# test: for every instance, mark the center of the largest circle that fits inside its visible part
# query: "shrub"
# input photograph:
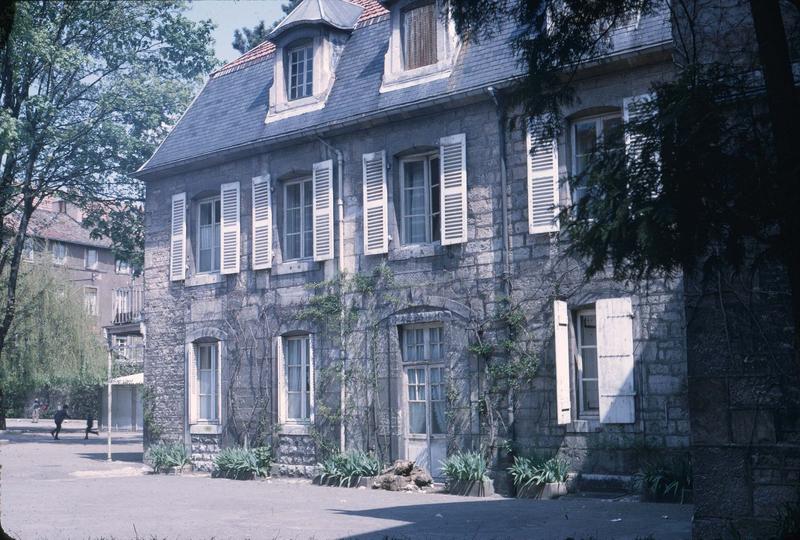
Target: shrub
(530, 471)
(468, 466)
(163, 456)
(349, 466)
(243, 463)
(664, 479)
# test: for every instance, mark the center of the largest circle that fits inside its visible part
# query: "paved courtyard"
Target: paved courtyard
(66, 489)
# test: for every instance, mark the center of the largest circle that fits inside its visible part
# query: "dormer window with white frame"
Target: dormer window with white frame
(300, 70)
(423, 44)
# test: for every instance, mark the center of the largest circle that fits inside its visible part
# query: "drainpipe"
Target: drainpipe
(501, 141)
(339, 268)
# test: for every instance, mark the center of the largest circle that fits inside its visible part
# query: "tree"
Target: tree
(87, 91)
(712, 179)
(245, 39)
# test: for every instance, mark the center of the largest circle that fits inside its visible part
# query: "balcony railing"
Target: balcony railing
(128, 305)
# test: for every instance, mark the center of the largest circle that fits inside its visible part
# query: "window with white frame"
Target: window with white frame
(418, 30)
(587, 135)
(420, 199)
(121, 347)
(90, 300)
(299, 378)
(298, 219)
(122, 267)
(91, 259)
(59, 250)
(208, 235)
(207, 384)
(423, 355)
(586, 363)
(300, 71)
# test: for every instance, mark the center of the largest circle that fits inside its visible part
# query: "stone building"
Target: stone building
(351, 243)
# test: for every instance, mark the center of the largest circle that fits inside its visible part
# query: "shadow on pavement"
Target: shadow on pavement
(131, 457)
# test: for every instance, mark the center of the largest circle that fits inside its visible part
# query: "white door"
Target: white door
(426, 434)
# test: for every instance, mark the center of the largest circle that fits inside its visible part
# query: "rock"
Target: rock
(391, 482)
(421, 477)
(403, 467)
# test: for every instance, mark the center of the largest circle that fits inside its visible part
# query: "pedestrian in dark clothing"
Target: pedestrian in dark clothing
(89, 426)
(59, 418)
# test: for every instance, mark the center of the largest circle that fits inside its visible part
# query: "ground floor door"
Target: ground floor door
(426, 432)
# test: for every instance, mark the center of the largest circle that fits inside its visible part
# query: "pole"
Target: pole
(108, 412)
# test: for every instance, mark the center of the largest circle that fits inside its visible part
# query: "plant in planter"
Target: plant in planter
(466, 474)
(539, 478)
(665, 480)
(167, 457)
(348, 468)
(243, 463)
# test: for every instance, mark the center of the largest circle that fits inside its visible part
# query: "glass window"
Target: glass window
(90, 300)
(298, 220)
(301, 71)
(438, 424)
(121, 347)
(417, 402)
(589, 395)
(421, 200)
(122, 267)
(59, 253)
(587, 136)
(419, 36)
(29, 249)
(207, 373)
(423, 343)
(91, 258)
(208, 235)
(298, 378)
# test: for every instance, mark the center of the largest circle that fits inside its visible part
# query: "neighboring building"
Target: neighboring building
(365, 140)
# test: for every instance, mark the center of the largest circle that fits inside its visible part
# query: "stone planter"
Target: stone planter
(550, 490)
(174, 471)
(471, 488)
(356, 482)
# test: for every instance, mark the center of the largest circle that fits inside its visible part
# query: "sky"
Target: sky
(228, 15)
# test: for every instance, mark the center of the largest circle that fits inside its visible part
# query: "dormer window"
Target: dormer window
(419, 35)
(301, 70)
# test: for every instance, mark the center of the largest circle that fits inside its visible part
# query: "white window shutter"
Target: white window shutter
(280, 376)
(615, 360)
(262, 223)
(229, 195)
(192, 401)
(376, 233)
(177, 245)
(323, 210)
(453, 154)
(563, 400)
(542, 183)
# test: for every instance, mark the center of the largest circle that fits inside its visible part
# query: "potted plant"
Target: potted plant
(466, 475)
(167, 458)
(350, 469)
(243, 463)
(539, 479)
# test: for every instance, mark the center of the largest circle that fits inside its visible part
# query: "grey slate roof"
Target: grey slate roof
(63, 228)
(337, 13)
(230, 111)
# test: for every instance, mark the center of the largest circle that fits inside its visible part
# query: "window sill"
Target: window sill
(205, 429)
(295, 107)
(413, 251)
(203, 279)
(295, 429)
(405, 79)
(585, 425)
(294, 267)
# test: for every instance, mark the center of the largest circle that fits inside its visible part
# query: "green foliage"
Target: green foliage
(527, 471)
(163, 456)
(243, 463)
(789, 520)
(348, 467)
(469, 466)
(245, 39)
(123, 223)
(664, 479)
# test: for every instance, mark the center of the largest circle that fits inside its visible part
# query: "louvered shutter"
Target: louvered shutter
(615, 360)
(280, 376)
(376, 234)
(563, 400)
(323, 210)
(542, 183)
(192, 402)
(262, 223)
(453, 160)
(638, 109)
(177, 248)
(229, 194)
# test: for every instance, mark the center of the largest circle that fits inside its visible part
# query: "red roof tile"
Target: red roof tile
(372, 9)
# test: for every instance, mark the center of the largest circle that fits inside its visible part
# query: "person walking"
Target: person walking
(59, 418)
(89, 426)
(37, 407)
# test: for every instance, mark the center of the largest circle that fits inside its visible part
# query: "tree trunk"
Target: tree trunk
(784, 115)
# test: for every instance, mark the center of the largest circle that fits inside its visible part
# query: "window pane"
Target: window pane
(591, 400)
(588, 330)
(204, 357)
(294, 405)
(416, 417)
(205, 214)
(585, 144)
(589, 356)
(438, 421)
(612, 132)
(206, 382)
